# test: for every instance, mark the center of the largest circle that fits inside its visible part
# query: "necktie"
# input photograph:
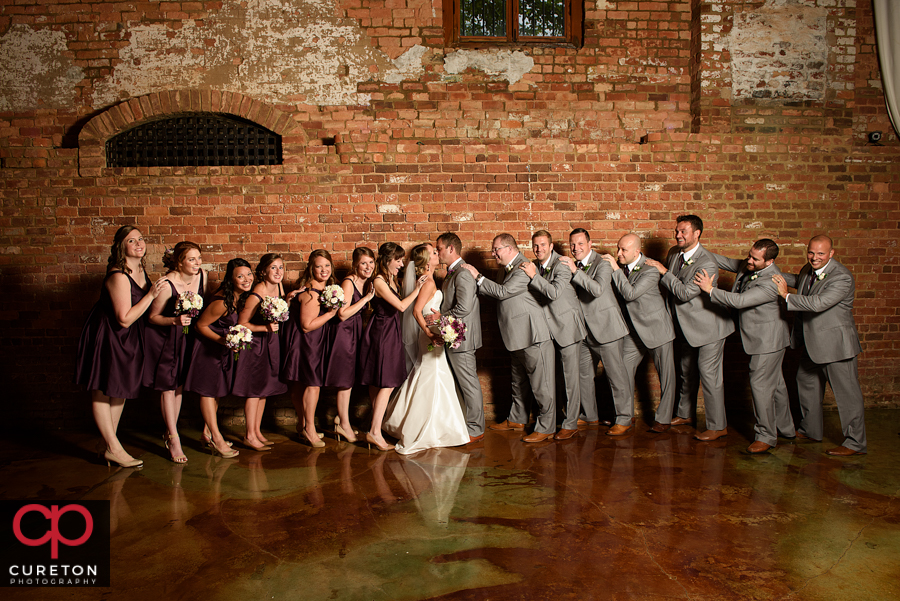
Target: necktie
(742, 281)
(680, 263)
(809, 282)
(626, 271)
(579, 264)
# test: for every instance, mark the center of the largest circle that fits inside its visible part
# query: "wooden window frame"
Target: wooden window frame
(574, 28)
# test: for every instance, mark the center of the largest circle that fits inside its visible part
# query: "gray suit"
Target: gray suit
(825, 329)
(701, 329)
(461, 301)
(764, 333)
(526, 335)
(650, 329)
(557, 297)
(605, 340)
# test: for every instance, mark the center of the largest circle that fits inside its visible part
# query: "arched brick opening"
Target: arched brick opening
(132, 112)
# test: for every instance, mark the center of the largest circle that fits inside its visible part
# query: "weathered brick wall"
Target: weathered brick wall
(391, 136)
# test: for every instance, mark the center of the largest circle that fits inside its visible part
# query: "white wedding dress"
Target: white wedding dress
(425, 412)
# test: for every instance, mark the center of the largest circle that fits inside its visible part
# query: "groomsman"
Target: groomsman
(649, 323)
(700, 327)
(460, 299)
(606, 332)
(552, 281)
(764, 333)
(826, 331)
(526, 336)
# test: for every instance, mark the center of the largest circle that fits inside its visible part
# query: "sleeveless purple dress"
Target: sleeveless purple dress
(212, 364)
(382, 362)
(256, 372)
(167, 351)
(345, 335)
(304, 354)
(111, 358)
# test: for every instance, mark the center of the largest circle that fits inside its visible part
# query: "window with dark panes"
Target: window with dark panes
(512, 22)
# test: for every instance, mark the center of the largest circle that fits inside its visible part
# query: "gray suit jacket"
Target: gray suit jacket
(557, 297)
(599, 306)
(829, 329)
(645, 304)
(701, 321)
(461, 301)
(763, 327)
(520, 317)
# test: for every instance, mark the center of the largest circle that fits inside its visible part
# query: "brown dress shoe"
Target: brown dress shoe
(802, 436)
(680, 421)
(582, 422)
(565, 434)
(711, 435)
(660, 428)
(475, 438)
(506, 425)
(843, 451)
(618, 430)
(537, 437)
(758, 447)
(605, 422)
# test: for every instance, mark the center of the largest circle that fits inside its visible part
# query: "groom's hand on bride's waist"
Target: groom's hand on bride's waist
(433, 318)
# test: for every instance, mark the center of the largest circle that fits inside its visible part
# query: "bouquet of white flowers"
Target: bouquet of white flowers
(237, 339)
(274, 309)
(332, 297)
(188, 303)
(452, 330)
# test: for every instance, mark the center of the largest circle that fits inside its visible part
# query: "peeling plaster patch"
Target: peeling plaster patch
(275, 49)
(461, 216)
(509, 65)
(613, 216)
(388, 208)
(780, 52)
(34, 70)
(753, 225)
(11, 250)
(408, 64)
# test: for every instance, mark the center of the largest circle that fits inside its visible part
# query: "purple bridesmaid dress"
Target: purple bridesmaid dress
(345, 336)
(111, 358)
(256, 372)
(382, 362)
(304, 354)
(167, 350)
(212, 364)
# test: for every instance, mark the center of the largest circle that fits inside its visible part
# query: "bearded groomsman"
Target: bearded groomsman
(606, 332)
(825, 330)
(700, 327)
(764, 334)
(552, 281)
(526, 335)
(649, 323)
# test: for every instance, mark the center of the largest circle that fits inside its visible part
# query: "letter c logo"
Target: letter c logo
(53, 514)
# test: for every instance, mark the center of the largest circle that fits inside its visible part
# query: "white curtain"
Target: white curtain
(887, 31)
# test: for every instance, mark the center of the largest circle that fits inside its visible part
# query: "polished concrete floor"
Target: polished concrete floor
(641, 517)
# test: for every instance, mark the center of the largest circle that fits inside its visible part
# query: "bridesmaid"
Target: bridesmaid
(212, 364)
(167, 350)
(381, 353)
(256, 373)
(110, 360)
(341, 369)
(306, 341)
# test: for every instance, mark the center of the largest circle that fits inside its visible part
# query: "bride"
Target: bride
(425, 412)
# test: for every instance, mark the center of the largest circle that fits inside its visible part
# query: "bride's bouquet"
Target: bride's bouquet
(274, 309)
(452, 330)
(238, 339)
(188, 303)
(332, 297)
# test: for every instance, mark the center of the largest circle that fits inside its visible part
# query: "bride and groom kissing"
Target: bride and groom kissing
(440, 403)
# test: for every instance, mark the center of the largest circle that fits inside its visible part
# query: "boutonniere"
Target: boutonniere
(689, 261)
(636, 268)
(821, 276)
(585, 267)
(754, 276)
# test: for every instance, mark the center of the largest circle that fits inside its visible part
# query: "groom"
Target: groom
(461, 301)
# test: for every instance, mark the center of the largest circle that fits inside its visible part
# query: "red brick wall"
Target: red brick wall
(621, 135)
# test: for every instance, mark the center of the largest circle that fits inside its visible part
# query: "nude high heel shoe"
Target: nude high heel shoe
(340, 431)
(370, 440)
(317, 443)
(110, 459)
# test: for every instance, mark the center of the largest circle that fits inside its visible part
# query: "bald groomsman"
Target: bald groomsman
(700, 327)
(825, 330)
(649, 323)
(526, 335)
(606, 332)
(764, 334)
(552, 281)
